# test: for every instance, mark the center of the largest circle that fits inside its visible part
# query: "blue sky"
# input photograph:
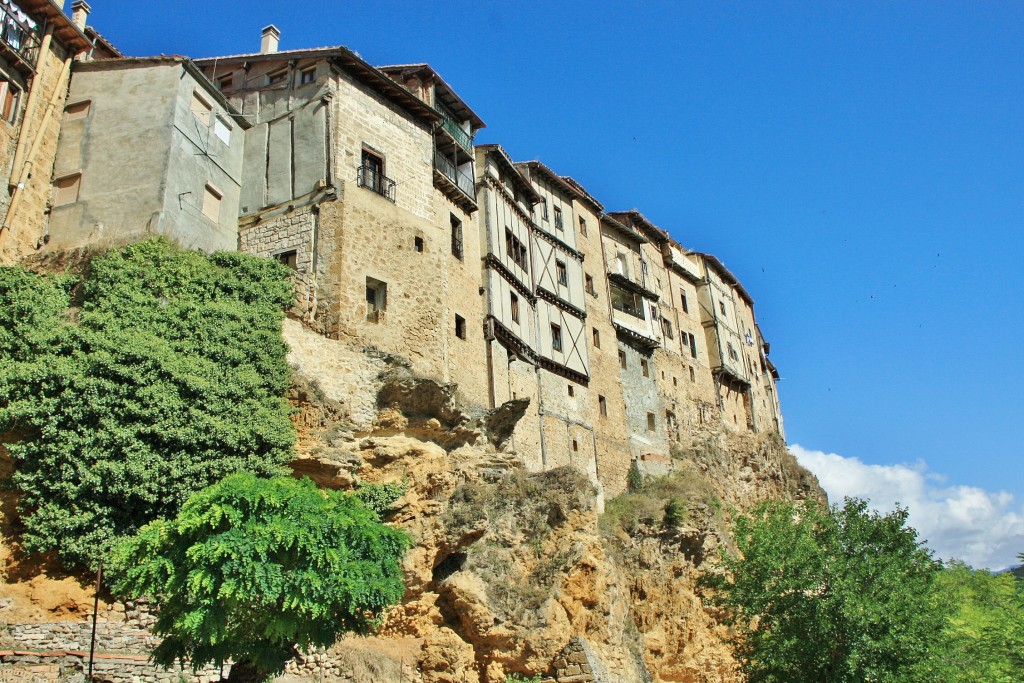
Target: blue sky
(859, 166)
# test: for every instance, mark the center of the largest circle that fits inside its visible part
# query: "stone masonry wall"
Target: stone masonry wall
(291, 232)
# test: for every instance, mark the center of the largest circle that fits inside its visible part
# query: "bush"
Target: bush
(173, 377)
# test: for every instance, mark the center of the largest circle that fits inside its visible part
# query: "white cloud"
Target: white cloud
(982, 528)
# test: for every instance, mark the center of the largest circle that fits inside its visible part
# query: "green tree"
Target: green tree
(167, 374)
(833, 598)
(985, 632)
(252, 569)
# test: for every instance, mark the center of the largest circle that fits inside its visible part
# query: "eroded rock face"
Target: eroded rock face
(512, 572)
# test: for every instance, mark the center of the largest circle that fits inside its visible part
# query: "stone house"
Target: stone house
(124, 172)
(506, 279)
(38, 44)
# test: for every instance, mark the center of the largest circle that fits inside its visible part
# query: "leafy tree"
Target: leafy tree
(169, 374)
(985, 632)
(833, 598)
(252, 569)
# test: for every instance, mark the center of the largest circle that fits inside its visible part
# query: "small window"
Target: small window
(732, 351)
(645, 367)
(457, 244)
(460, 326)
(589, 284)
(65, 190)
(583, 226)
(10, 96)
(622, 359)
(561, 272)
(288, 258)
(596, 333)
(514, 301)
(417, 244)
(558, 219)
(572, 391)
(693, 377)
(376, 300)
(277, 77)
(575, 446)
(602, 406)
(76, 111)
(211, 203)
(686, 309)
(307, 75)
(556, 337)
(201, 108)
(721, 305)
(222, 129)
(225, 83)
(650, 422)
(666, 327)
(544, 209)
(675, 381)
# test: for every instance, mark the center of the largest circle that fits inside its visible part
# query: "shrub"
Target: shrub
(172, 378)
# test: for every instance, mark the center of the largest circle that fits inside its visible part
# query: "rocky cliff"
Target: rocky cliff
(511, 572)
(516, 572)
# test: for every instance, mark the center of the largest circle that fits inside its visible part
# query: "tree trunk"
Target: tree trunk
(245, 672)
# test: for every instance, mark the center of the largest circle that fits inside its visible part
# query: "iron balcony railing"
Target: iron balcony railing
(447, 168)
(373, 179)
(456, 131)
(17, 34)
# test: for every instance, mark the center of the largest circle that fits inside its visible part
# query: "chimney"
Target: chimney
(79, 13)
(268, 41)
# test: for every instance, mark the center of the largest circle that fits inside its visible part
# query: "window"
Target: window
(686, 308)
(675, 381)
(73, 112)
(222, 129)
(627, 302)
(721, 305)
(556, 337)
(288, 258)
(515, 307)
(370, 175)
(10, 95)
(460, 326)
(277, 77)
(693, 377)
(515, 249)
(376, 300)
(544, 209)
(558, 219)
(457, 245)
(650, 422)
(732, 351)
(572, 391)
(666, 327)
(622, 359)
(211, 203)
(225, 83)
(65, 190)
(645, 367)
(589, 284)
(561, 272)
(575, 446)
(602, 406)
(583, 226)
(417, 244)
(307, 75)
(597, 338)
(201, 109)
(689, 340)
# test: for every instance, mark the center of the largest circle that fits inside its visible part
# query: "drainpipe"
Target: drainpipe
(536, 367)
(26, 171)
(487, 288)
(33, 95)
